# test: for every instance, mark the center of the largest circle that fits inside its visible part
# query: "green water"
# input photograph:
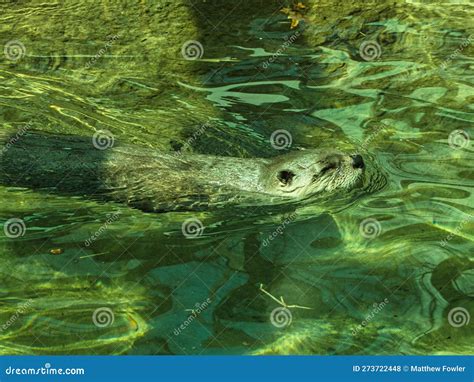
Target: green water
(404, 287)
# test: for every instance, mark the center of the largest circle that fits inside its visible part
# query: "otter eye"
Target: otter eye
(285, 177)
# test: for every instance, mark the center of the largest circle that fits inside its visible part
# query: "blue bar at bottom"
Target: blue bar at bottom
(237, 368)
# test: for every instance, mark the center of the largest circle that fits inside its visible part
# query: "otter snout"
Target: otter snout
(357, 161)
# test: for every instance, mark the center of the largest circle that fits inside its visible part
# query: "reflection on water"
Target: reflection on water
(389, 273)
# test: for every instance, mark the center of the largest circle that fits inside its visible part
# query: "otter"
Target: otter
(158, 182)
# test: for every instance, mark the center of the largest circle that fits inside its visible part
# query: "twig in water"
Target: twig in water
(281, 301)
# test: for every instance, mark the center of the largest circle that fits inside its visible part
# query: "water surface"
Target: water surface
(389, 273)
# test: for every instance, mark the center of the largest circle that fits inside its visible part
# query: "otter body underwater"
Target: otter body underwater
(157, 182)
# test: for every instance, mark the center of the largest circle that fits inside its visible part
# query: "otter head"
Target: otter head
(306, 173)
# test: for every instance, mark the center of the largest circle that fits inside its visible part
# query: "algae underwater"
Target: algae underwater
(385, 271)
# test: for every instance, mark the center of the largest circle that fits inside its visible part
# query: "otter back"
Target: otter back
(140, 177)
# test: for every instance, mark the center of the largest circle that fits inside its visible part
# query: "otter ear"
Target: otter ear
(285, 177)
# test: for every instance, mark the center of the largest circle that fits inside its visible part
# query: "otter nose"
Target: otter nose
(357, 161)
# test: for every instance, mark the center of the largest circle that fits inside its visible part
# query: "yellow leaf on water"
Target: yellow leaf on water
(295, 13)
(294, 23)
(300, 5)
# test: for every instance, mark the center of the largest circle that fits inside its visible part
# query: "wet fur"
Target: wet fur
(152, 181)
